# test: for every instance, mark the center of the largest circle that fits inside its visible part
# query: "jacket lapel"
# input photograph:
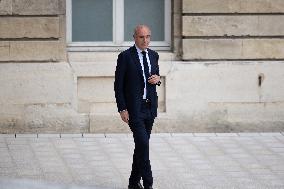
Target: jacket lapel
(151, 57)
(136, 60)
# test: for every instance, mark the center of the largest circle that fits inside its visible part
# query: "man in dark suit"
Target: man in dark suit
(136, 77)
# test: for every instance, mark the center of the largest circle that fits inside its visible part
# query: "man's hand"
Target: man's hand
(154, 79)
(124, 116)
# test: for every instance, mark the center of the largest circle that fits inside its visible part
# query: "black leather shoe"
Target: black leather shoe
(135, 186)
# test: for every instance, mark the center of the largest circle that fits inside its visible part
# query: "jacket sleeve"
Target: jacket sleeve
(158, 70)
(119, 83)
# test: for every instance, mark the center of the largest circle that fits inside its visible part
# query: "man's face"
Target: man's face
(142, 38)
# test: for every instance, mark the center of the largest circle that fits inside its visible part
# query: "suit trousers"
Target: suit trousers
(141, 130)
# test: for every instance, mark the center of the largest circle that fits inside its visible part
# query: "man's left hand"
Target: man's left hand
(154, 79)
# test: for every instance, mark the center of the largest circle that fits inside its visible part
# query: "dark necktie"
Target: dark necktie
(146, 72)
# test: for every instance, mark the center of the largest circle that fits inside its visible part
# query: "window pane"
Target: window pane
(149, 12)
(92, 20)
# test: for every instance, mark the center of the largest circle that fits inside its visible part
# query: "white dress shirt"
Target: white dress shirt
(140, 55)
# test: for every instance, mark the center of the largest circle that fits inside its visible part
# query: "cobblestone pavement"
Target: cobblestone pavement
(179, 161)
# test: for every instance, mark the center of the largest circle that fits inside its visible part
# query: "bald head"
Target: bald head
(142, 34)
(140, 27)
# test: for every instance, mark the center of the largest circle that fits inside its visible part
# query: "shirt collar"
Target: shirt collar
(139, 50)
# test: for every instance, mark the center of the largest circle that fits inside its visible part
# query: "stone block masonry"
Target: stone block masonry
(30, 31)
(224, 72)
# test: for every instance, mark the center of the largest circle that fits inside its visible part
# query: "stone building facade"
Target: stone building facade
(223, 70)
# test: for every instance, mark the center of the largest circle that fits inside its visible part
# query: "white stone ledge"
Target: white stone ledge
(204, 134)
(249, 134)
(7, 135)
(26, 136)
(49, 135)
(271, 134)
(71, 135)
(182, 135)
(161, 135)
(123, 135)
(227, 134)
(114, 135)
(91, 135)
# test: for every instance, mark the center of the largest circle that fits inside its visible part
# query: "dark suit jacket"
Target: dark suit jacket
(129, 82)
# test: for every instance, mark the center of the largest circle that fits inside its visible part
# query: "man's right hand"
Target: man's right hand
(124, 116)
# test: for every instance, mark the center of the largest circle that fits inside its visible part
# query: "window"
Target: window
(108, 24)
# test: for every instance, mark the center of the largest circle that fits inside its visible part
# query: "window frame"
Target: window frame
(118, 42)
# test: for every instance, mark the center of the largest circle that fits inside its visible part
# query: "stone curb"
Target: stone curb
(126, 135)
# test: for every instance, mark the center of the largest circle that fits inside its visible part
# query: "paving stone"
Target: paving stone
(29, 171)
(3, 145)
(8, 172)
(278, 150)
(19, 141)
(280, 138)
(236, 174)
(58, 178)
(179, 161)
(270, 141)
(260, 173)
(234, 151)
(217, 181)
(80, 171)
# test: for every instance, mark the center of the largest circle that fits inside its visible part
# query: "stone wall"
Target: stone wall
(32, 30)
(36, 81)
(234, 51)
(233, 30)
(224, 72)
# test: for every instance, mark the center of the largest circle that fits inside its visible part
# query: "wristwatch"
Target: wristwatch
(159, 83)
